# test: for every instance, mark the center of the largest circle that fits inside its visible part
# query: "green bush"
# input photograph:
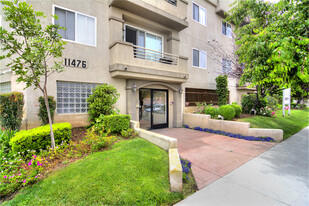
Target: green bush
(128, 134)
(43, 111)
(248, 103)
(227, 112)
(102, 101)
(116, 123)
(238, 109)
(272, 102)
(11, 110)
(222, 89)
(211, 111)
(39, 138)
(5, 137)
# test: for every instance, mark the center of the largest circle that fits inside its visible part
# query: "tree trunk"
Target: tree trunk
(49, 120)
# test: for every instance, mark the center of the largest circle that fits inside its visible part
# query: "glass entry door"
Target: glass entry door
(153, 108)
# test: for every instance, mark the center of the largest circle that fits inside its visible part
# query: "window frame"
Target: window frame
(142, 30)
(226, 29)
(229, 63)
(199, 8)
(199, 56)
(77, 12)
(6, 82)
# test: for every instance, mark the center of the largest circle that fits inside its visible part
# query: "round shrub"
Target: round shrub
(227, 112)
(43, 111)
(211, 111)
(102, 101)
(248, 102)
(238, 109)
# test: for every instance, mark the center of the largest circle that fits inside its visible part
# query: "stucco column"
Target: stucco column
(173, 43)
(116, 30)
(132, 100)
(178, 113)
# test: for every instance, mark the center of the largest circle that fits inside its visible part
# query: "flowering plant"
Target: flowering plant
(265, 111)
(238, 136)
(186, 168)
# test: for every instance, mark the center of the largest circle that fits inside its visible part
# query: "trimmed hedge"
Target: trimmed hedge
(238, 109)
(116, 123)
(39, 138)
(11, 110)
(211, 111)
(227, 111)
(222, 90)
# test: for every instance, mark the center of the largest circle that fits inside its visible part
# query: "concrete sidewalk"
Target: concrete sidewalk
(277, 177)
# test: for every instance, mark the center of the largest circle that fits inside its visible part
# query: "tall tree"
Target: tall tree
(34, 50)
(273, 44)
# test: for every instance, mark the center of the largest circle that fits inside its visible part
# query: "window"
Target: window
(199, 58)
(199, 14)
(5, 87)
(80, 28)
(143, 39)
(72, 96)
(194, 95)
(227, 29)
(226, 66)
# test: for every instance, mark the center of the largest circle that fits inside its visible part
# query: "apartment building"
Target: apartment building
(159, 54)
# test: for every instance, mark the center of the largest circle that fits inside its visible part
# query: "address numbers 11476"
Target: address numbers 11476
(75, 63)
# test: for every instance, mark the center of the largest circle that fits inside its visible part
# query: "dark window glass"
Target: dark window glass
(195, 57)
(195, 12)
(66, 19)
(223, 28)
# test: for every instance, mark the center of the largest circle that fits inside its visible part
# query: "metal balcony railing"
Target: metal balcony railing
(173, 2)
(156, 56)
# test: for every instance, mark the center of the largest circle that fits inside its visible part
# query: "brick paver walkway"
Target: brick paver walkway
(213, 156)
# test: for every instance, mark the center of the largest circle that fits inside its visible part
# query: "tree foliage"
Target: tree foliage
(273, 44)
(34, 50)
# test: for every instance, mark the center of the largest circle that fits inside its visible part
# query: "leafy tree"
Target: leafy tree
(34, 50)
(273, 44)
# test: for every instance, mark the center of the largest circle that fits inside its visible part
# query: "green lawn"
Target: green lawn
(290, 125)
(133, 172)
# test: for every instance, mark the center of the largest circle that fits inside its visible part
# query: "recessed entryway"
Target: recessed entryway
(153, 108)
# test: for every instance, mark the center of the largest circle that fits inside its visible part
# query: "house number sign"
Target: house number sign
(68, 62)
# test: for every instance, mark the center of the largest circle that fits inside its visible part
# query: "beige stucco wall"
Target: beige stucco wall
(98, 61)
(110, 25)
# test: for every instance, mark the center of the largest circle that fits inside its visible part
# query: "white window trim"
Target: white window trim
(199, 51)
(76, 12)
(143, 30)
(199, 15)
(230, 63)
(226, 27)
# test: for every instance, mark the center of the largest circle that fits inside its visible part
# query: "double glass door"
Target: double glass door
(153, 112)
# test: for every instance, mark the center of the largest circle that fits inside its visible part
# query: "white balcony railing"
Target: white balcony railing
(156, 56)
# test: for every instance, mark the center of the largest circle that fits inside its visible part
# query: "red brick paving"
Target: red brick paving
(213, 156)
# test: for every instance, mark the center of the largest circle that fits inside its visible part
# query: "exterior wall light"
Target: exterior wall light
(134, 88)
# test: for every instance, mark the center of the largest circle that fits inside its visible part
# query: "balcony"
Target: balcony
(223, 7)
(170, 13)
(129, 61)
